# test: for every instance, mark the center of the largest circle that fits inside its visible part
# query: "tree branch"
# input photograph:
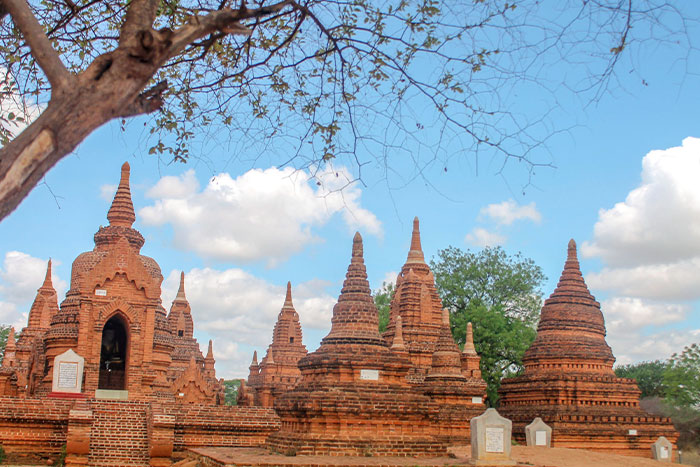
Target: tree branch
(45, 55)
(146, 102)
(139, 16)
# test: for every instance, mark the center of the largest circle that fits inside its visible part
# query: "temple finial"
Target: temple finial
(121, 213)
(255, 358)
(288, 298)
(469, 348)
(398, 343)
(357, 251)
(571, 254)
(210, 351)
(415, 254)
(47, 279)
(181, 290)
(445, 317)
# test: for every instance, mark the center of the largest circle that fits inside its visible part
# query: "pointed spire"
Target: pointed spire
(571, 283)
(288, 298)
(398, 343)
(9, 356)
(270, 359)
(571, 254)
(355, 317)
(181, 291)
(445, 317)
(47, 280)
(210, 351)
(255, 358)
(10, 340)
(469, 348)
(121, 213)
(415, 254)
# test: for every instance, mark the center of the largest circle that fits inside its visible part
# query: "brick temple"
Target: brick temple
(569, 381)
(278, 372)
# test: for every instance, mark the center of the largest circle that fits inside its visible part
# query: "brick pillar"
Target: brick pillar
(161, 435)
(78, 436)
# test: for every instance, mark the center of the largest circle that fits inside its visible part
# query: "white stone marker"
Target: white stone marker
(491, 439)
(68, 372)
(538, 433)
(662, 450)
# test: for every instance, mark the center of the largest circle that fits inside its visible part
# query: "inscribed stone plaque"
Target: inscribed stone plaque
(490, 436)
(67, 375)
(632, 432)
(101, 292)
(540, 438)
(538, 433)
(494, 439)
(662, 450)
(68, 372)
(477, 400)
(370, 375)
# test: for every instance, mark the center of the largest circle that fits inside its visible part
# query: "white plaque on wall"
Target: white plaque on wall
(632, 432)
(370, 375)
(477, 400)
(494, 439)
(101, 292)
(540, 438)
(68, 372)
(663, 452)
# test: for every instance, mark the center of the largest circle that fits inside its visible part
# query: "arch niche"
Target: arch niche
(114, 354)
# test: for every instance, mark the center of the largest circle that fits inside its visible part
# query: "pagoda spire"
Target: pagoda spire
(181, 291)
(355, 318)
(398, 343)
(469, 348)
(288, 297)
(210, 352)
(255, 358)
(47, 280)
(415, 253)
(121, 213)
(10, 349)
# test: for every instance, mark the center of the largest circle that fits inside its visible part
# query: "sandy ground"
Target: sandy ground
(525, 456)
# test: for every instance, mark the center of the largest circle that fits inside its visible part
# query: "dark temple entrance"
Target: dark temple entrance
(113, 355)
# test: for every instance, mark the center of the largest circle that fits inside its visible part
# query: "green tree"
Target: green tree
(325, 78)
(649, 376)
(382, 299)
(231, 391)
(682, 378)
(4, 332)
(501, 296)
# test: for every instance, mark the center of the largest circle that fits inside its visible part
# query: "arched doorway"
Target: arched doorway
(113, 355)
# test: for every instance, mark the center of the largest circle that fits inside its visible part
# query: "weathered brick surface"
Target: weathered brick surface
(569, 381)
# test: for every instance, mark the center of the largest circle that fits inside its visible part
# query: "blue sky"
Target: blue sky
(624, 185)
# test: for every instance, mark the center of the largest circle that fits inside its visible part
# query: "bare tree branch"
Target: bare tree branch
(147, 102)
(48, 59)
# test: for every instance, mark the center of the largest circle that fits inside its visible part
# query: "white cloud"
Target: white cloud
(673, 281)
(507, 212)
(20, 277)
(236, 308)
(632, 347)
(623, 314)
(107, 192)
(263, 214)
(12, 102)
(659, 221)
(481, 237)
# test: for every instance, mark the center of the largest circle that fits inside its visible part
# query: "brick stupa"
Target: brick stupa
(278, 371)
(569, 381)
(353, 398)
(417, 302)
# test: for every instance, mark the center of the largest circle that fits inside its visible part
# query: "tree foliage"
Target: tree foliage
(4, 332)
(501, 296)
(355, 80)
(382, 300)
(682, 378)
(649, 376)
(231, 391)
